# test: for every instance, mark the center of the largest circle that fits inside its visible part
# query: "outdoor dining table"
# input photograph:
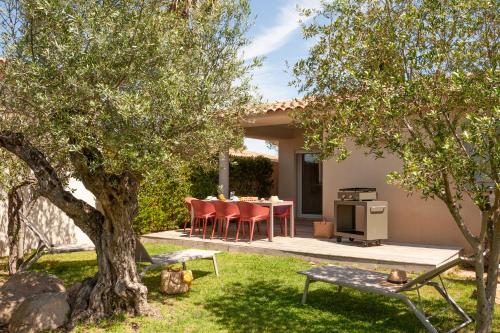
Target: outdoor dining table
(271, 205)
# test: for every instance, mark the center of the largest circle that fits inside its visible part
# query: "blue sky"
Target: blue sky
(276, 35)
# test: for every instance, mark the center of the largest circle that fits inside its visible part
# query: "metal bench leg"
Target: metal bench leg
(216, 269)
(147, 268)
(423, 319)
(306, 290)
(454, 306)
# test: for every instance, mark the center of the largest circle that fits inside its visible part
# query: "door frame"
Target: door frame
(298, 164)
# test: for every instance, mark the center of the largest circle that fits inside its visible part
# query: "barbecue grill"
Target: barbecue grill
(360, 216)
(358, 193)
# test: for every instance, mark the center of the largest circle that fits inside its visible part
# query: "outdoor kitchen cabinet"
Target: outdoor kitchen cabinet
(365, 221)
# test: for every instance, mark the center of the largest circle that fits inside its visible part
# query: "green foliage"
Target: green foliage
(204, 182)
(142, 84)
(419, 80)
(161, 202)
(248, 176)
(251, 176)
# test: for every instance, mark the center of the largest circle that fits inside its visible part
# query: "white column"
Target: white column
(224, 172)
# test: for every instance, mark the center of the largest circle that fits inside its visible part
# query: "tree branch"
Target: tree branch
(84, 215)
(452, 207)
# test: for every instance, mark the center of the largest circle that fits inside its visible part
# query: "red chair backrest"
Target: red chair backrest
(187, 203)
(202, 208)
(279, 210)
(224, 209)
(248, 209)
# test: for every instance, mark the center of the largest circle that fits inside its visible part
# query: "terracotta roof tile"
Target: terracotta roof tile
(283, 105)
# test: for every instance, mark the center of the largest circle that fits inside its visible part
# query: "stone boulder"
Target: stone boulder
(22, 285)
(40, 312)
(8, 304)
(31, 283)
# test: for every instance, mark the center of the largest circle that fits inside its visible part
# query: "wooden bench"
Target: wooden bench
(170, 258)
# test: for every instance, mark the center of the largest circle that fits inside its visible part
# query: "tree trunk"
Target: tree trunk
(486, 304)
(15, 205)
(489, 238)
(116, 288)
(13, 228)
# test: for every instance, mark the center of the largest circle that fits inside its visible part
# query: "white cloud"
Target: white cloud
(274, 37)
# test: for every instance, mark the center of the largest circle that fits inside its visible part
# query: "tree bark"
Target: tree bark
(13, 227)
(116, 288)
(117, 195)
(488, 242)
(486, 309)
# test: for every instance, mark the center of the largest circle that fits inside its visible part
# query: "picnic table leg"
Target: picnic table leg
(292, 221)
(184, 265)
(271, 221)
(216, 269)
(306, 290)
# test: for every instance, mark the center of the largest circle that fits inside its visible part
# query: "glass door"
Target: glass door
(310, 185)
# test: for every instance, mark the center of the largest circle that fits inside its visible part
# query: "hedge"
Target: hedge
(248, 176)
(161, 202)
(161, 197)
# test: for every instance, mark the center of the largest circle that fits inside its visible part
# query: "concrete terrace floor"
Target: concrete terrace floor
(410, 257)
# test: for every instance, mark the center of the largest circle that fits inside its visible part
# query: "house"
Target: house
(313, 184)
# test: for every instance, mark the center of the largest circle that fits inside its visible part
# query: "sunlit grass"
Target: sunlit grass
(258, 293)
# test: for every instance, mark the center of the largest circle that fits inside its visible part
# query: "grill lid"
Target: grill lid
(358, 189)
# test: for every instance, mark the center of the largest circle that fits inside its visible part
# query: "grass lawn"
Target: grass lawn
(257, 293)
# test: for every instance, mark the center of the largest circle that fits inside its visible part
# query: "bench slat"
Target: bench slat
(352, 277)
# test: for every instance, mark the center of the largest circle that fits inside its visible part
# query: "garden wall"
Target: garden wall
(50, 220)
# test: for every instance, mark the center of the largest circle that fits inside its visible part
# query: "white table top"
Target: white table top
(261, 203)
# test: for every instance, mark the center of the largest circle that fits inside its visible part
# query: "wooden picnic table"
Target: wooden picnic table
(271, 205)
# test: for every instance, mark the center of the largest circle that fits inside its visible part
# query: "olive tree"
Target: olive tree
(16, 184)
(419, 80)
(103, 91)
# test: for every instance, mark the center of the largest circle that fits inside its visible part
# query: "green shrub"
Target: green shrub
(161, 202)
(251, 176)
(248, 176)
(204, 182)
(162, 193)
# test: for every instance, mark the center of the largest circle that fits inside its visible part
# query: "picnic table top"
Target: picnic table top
(259, 202)
(353, 277)
(182, 256)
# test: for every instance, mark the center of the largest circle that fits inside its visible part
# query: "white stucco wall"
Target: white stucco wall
(50, 220)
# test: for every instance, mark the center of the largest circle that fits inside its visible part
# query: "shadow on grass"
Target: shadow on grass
(69, 272)
(271, 307)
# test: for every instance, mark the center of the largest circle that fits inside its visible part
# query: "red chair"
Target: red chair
(224, 213)
(252, 214)
(283, 215)
(203, 211)
(187, 203)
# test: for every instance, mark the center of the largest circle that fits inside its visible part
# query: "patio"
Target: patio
(389, 255)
